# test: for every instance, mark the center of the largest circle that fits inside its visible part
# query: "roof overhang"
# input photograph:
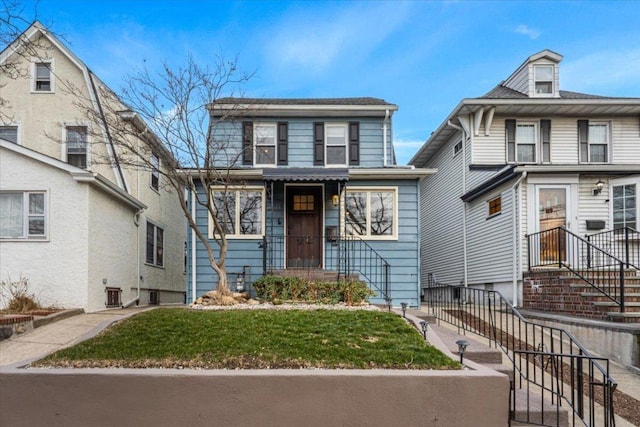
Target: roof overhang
(305, 174)
(534, 107)
(302, 110)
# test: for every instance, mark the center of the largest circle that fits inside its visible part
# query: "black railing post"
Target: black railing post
(264, 255)
(529, 252)
(558, 248)
(580, 387)
(589, 252)
(621, 287)
(626, 246)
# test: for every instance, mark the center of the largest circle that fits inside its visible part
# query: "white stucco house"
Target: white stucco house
(86, 224)
(524, 158)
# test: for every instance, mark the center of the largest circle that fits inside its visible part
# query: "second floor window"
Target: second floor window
(593, 139)
(521, 141)
(264, 135)
(240, 212)
(155, 245)
(9, 133)
(336, 145)
(42, 77)
(77, 146)
(155, 172)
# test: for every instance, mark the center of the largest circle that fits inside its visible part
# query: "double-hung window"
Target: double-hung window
(155, 171)
(521, 141)
(264, 136)
(77, 146)
(371, 213)
(238, 211)
(625, 205)
(543, 77)
(593, 139)
(23, 215)
(155, 245)
(9, 133)
(336, 144)
(42, 77)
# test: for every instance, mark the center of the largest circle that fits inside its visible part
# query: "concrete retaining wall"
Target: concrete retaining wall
(123, 397)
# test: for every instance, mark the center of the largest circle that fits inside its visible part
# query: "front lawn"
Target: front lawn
(246, 339)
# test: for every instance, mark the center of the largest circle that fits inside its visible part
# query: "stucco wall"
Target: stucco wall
(57, 266)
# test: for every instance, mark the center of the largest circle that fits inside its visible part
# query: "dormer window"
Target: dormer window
(543, 77)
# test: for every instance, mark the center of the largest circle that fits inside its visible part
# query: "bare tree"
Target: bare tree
(166, 113)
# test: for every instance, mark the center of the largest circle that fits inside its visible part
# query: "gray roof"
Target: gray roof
(304, 101)
(503, 92)
(305, 174)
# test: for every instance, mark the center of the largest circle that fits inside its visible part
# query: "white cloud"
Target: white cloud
(613, 72)
(529, 32)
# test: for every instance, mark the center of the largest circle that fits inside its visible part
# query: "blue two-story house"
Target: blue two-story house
(313, 189)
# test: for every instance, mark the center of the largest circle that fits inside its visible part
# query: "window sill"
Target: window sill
(493, 215)
(155, 190)
(23, 239)
(154, 265)
(43, 91)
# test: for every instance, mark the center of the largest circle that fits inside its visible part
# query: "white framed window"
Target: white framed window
(336, 143)
(598, 142)
(23, 215)
(371, 213)
(264, 140)
(155, 171)
(155, 245)
(521, 141)
(624, 203)
(543, 79)
(9, 133)
(76, 143)
(457, 148)
(494, 207)
(239, 211)
(42, 80)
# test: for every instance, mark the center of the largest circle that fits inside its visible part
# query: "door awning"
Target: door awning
(305, 174)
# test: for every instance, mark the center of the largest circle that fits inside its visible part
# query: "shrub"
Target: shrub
(16, 298)
(277, 289)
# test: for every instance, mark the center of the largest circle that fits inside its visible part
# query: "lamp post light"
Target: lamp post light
(462, 346)
(424, 325)
(404, 309)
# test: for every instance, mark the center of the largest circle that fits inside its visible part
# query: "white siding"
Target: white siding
(626, 140)
(491, 150)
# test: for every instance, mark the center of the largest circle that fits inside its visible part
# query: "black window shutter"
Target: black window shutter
(545, 135)
(247, 143)
(318, 144)
(510, 126)
(583, 140)
(283, 141)
(354, 143)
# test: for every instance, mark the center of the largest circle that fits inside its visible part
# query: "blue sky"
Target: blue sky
(424, 56)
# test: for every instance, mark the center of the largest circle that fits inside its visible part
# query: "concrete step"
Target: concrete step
(476, 351)
(532, 409)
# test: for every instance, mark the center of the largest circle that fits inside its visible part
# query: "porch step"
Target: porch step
(531, 409)
(315, 274)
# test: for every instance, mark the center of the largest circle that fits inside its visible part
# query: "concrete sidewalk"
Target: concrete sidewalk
(23, 349)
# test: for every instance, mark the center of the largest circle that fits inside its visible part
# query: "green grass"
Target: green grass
(257, 339)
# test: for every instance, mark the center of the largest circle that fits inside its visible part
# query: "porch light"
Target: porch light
(404, 309)
(462, 346)
(597, 188)
(424, 325)
(335, 200)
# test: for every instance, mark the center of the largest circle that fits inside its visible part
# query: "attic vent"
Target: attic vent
(113, 297)
(457, 148)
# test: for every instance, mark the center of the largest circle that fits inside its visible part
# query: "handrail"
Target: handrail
(623, 243)
(346, 255)
(564, 249)
(490, 315)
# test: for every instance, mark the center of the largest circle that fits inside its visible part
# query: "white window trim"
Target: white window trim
(369, 190)
(18, 131)
(237, 190)
(154, 170)
(537, 146)
(488, 203)
(608, 135)
(155, 247)
(64, 141)
(275, 144)
(344, 125)
(51, 63)
(553, 81)
(26, 237)
(624, 181)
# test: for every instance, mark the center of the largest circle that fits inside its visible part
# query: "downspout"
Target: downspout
(464, 204)
(517, 256)
(193, 249)
(384, 138)
(136, 221)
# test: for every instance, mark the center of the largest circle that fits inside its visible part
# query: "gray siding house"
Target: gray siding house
(526, 158)
(314, 190)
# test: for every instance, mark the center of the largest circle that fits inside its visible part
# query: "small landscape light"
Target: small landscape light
(424, 325)
(404, 309)
(462, 346)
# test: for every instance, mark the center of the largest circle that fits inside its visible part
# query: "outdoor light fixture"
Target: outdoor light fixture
(335, 199)
(597, 188)
(462, 346)
(424, 325)
(404, 309)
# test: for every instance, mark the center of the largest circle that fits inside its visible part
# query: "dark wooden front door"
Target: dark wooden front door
(304, 227)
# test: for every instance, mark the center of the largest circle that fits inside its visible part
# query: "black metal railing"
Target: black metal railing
(549, 363)
(561, 248)
(346, 255)
(623, 243)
